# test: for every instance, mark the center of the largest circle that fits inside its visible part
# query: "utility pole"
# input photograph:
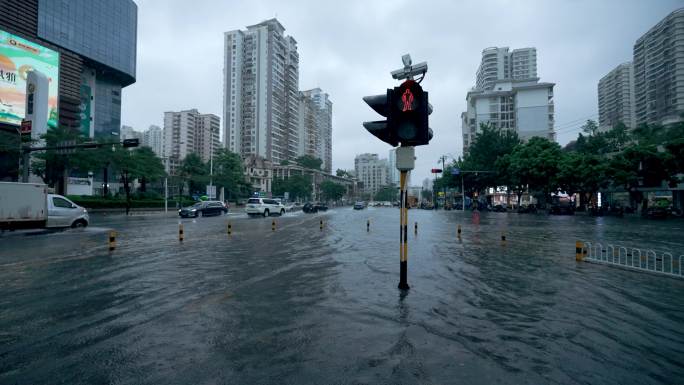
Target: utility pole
(443, 159)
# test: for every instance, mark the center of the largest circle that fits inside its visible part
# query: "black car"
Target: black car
(311, 208)
(203, 209)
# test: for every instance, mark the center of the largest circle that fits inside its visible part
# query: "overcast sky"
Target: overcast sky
(347, 48)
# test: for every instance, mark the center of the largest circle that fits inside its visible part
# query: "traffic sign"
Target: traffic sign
(436, 170)
(455, 171)
(25, 127)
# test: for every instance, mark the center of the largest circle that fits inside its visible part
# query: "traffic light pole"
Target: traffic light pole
(403, 234)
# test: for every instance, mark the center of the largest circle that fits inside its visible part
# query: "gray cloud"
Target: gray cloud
(348, 48)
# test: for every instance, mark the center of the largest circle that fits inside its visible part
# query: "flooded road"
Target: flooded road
(299, 305)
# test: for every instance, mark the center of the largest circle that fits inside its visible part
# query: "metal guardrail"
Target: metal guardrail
(631, 258)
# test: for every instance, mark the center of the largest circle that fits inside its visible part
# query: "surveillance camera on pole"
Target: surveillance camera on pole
(406, 108)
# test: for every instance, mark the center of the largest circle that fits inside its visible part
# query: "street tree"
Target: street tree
(193, 172)
(147, 166)
(582, 173)
(387, 194)
(309, 161)
(535, 164)
(332, 191)
(298, 186)
(590, 127)
(229, 173)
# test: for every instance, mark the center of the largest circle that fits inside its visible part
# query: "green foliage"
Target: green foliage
(195, 173)
(590, 127)
(92, 202)
(535, 164)
(229, 174)
(387, 193)
(332, 191)
(298, 186)
(343, 173)
(309, 161)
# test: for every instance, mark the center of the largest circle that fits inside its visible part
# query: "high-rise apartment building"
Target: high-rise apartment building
(393, 172)
(659, 72)
(508, 95)
(616, 97)
(152, 138)
(502, 64)
(315, 126)
(188, 132)
(260, 92)
(127, 132)
(207, 133)
(372, 172)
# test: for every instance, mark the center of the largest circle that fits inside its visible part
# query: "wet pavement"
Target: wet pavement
(299, 305)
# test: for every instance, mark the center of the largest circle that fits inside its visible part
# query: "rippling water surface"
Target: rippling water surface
(300, 305)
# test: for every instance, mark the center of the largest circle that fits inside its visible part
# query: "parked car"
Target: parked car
(264, 206)
(562, 209)
(320, 206)
(359, 205)
(203, 209)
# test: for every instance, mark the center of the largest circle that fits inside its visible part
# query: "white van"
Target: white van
(64, 213)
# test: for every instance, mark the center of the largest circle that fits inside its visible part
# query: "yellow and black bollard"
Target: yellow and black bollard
(273, 225)
(415, 228)
(579, 251)
(180, 232)
(459, 231)
(403, 233)
(503, 236)
(321, 225)
(367, 225)
(230, 228)
(112, 240)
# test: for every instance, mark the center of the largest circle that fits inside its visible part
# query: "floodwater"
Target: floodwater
(299, 305)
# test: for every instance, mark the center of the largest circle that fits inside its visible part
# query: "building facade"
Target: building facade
(659, 72)
(259, 173)
(508, 95)
(187, 132)
(260, 92)
(315, 126)
(502, 64)
(616, 97)
(393, 172)
(152, 138)
(372, 172)
(96, 41)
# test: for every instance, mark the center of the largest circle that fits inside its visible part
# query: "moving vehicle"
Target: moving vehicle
(264, 206)
(311, 208)
(499, 208)
(203, 209)
(528, 209)
(359, 205)
(29, 206)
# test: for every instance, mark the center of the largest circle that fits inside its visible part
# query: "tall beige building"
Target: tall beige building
(315, 126)
(372, 172)
(260, 92)
(187, 132)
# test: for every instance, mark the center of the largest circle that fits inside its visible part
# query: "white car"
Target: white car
(264, 206)
(64, 213)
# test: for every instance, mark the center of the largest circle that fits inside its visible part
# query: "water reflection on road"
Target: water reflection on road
(301, 305)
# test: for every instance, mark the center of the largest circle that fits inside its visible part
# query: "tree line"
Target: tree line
(617, 159)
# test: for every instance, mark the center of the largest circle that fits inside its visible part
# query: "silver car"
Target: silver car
(64, 213)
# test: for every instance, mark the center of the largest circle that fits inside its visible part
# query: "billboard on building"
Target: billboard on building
(19, 56)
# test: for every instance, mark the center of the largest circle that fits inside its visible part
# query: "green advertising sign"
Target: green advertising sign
(18, 56)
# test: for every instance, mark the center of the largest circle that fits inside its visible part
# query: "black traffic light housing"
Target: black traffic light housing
(408, 114)
(406, 108)
(131, 142)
